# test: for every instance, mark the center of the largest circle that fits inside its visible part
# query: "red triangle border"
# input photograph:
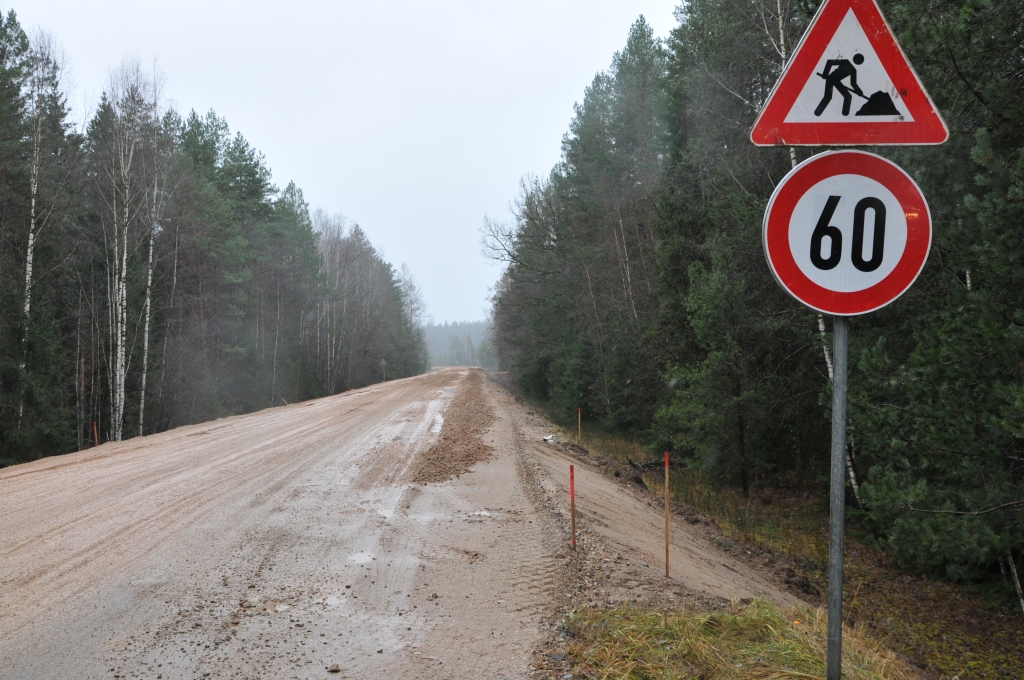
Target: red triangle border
(770, 128)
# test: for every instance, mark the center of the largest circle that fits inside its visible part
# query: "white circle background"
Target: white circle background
(844, 277)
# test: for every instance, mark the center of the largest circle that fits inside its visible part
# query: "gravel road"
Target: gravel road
(294, 541)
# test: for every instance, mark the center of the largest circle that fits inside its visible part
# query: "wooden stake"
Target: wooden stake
(666, 515)
(572, 503)
(579, 426)
(96, 432)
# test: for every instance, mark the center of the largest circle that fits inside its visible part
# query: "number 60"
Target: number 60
(823, 229)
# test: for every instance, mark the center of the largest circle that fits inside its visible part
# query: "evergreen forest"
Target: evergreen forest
(152, 275)
(635, 284)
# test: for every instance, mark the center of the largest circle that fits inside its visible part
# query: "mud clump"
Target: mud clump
(459, 446)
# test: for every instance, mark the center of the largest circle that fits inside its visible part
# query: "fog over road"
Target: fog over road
(281, 543)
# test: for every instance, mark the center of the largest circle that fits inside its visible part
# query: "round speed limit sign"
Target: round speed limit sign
(847, 232)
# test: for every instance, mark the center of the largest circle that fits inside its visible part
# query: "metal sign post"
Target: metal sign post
(837, 498)
(845, 233)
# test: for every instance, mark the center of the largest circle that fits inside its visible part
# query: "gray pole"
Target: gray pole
(837, 499)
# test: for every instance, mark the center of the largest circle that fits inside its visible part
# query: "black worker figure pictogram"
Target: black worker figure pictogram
(838, 70)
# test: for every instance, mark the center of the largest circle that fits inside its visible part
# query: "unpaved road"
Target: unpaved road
(278, 544)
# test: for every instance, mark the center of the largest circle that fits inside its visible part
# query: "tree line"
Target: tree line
(452, 344)
(635, 284)
(152, 275)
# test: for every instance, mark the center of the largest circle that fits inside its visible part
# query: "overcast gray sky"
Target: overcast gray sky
(412, 118)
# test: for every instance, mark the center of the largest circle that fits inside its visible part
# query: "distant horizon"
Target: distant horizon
(452, 323)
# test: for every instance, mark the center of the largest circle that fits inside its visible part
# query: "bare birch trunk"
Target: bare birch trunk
(167, 331)
(123, 182)
(79, 373)
(112, 298)
(94, 408)
(133, 100)
(792, 161)
(155, 214)
(628, 280)
(145, 331)
(277, 337)
(821, 319)
(43, 80)
(853, 474)
(600, 335)
(824, 344)
(121, 368)
(1016, 581)
(782, 34)
(849, 447)
(37, 135)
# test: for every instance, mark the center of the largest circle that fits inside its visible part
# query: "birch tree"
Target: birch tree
(123, 134)
(160, 157)
(49, 158)
(153, 231)
(13, 51)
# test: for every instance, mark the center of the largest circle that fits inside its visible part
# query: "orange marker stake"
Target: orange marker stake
(666, 514)
(572, 503)
(579, 426)
(96, 432)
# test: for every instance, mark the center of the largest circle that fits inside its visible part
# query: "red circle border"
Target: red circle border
(792, 188)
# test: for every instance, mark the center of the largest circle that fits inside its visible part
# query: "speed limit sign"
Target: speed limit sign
(847, 232)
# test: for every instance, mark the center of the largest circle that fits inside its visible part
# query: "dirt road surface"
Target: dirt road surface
(283, 543)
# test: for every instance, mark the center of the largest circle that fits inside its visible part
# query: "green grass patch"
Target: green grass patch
(752, 640)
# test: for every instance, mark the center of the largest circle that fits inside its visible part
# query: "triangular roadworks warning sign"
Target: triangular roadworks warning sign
(849, 83)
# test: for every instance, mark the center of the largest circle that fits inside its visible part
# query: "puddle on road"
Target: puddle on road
(330, 601)
(438, 424)
(361, 558)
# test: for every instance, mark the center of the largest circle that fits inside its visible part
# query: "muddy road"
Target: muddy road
(414, 529)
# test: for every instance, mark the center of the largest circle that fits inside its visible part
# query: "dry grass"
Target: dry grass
(614, 446)
(800, 532)
(752, 640)
(783, 521)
